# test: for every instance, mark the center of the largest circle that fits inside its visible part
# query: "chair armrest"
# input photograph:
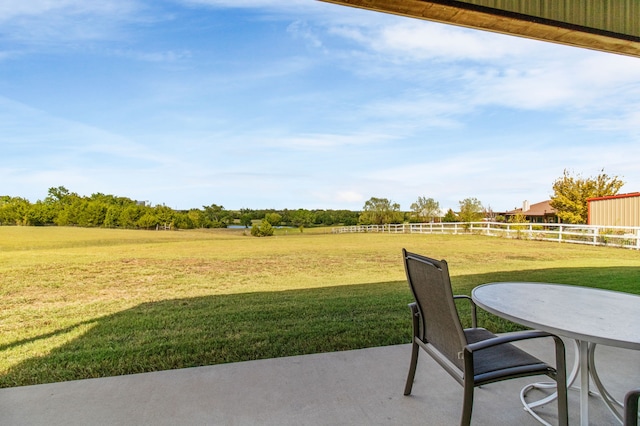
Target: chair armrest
(507, 338)
(561, 362)
(415, 319)
(474, 309)
(560, 372)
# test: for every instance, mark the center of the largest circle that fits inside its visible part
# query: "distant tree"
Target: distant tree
(164, 215)
(130, 215)
(91, 213)
(321, 217)
(263, 230)
(489, 214)
(252, 214)
(425, 209)
(380, 211)
(303, 218)
(470, 210)
(245, 219)
(347, 217)
(274, 219)
(148, 220)
(69, 209)
(216, 216)
(197, 218)
(56, 195)
(14, 210)
(40, 214)
(518, 218)
(450, 216)
(285, 216)
(570, 194)
(181, 220)
(111, 216)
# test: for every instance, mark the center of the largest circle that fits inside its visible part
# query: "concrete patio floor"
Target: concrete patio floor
(361, 387)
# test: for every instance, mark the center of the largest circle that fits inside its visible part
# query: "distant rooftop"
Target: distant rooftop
(538, 209)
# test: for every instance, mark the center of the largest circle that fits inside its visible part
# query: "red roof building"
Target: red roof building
(536, 213)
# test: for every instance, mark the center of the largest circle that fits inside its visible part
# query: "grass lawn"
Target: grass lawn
(78, 303)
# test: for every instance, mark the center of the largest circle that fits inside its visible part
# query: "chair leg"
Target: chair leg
(415, 349)
(561, 382)
(563, 415)
(631, 408)
(467, 404)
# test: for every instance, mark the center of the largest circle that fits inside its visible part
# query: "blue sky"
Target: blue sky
(299, 104)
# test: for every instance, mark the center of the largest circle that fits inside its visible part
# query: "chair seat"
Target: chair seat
(494, 362)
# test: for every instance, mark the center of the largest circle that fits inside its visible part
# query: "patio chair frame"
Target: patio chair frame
(631, 407)
(472, 356)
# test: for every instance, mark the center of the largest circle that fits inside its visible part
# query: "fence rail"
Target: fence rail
(614, 236)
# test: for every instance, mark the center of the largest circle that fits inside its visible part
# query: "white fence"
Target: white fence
(615, 236)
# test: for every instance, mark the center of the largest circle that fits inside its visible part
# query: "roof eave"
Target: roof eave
(472, 16)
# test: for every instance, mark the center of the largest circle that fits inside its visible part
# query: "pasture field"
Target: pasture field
(79, 303)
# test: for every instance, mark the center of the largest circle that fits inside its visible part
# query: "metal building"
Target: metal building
(607, 25)
(615, 210)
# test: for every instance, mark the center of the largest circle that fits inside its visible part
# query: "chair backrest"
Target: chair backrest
(431, 287)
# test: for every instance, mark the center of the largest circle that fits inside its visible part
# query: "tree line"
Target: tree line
(380, 211)
(569, 199)
(64, 208)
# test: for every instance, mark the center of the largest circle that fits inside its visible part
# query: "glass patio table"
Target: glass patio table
(589, 316)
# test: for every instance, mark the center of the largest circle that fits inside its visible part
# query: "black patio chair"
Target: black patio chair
(631, 407)
(473, 356)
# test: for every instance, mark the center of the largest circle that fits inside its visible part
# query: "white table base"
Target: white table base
(584, 366)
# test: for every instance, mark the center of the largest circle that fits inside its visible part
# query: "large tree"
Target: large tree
(425, 209)
(302, 218)
(471, 210)
(14, 210)
(216, 216)
(273, 218)
(380, 211)
(570, 194)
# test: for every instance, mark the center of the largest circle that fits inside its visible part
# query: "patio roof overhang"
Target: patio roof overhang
(606, 25)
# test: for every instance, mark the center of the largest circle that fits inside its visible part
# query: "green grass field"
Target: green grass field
(78, 303)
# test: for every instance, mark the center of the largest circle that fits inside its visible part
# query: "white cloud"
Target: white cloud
(418, 109)
(249, 3)
(482, 68)
(10, 9)
(303, 30)
(628, 121)
(276, 5)
(584, 79)
(417, 41)
(169, 56)
(327, 141)
(57, 142)
(349, 196)
(44, 22)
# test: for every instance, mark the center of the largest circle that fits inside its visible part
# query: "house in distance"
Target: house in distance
(541, 212)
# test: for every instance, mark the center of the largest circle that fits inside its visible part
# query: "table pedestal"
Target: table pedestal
(584, 366)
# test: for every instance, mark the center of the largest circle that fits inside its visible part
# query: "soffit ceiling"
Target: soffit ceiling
(607, 25)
